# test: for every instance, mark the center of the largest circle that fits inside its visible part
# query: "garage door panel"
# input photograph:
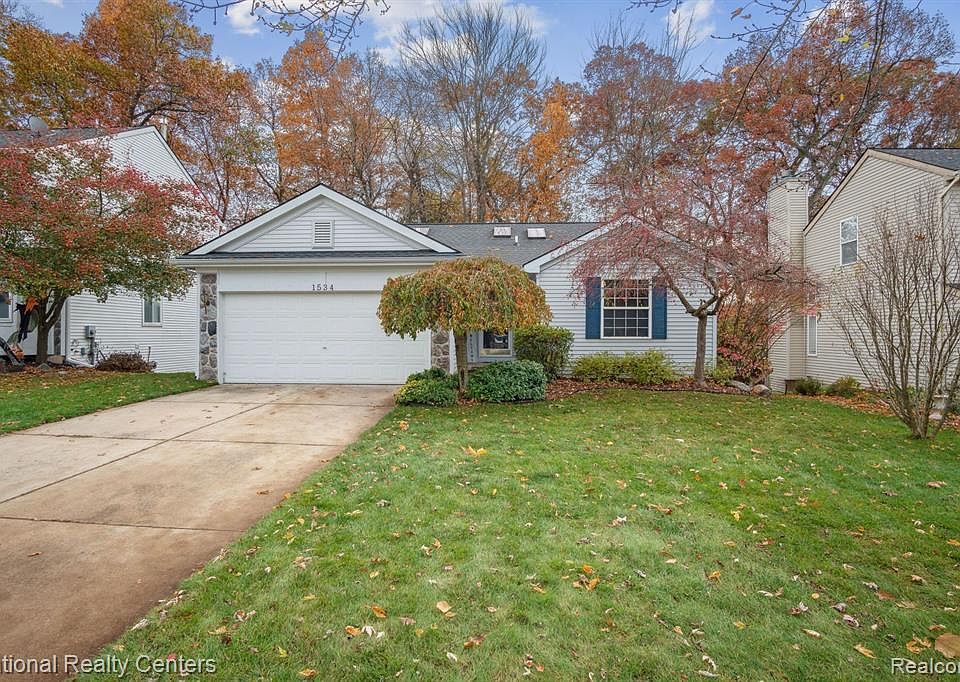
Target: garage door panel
(323, 338)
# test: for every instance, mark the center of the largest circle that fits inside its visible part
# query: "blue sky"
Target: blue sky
(565, 26)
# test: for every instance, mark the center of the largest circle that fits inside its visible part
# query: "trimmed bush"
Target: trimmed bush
(598, 367)
(723, 371)
(434, 374)
(550, 346)
(503, 382)
(650, 368)
(808, 386)
(125, 362)
(844, 387)
(427, 392)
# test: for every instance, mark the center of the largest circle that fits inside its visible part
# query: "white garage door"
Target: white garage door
(330, 338)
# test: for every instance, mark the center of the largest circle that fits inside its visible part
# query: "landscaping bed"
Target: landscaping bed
(34, 396)
(620, 534)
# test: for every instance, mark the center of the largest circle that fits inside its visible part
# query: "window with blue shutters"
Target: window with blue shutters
(625, 309)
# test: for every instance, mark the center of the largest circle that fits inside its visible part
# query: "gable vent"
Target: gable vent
(536, 233)
(323, 234)
(502, 231)
(422, 230)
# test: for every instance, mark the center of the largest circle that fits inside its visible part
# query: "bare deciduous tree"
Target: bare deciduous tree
(899, 309)
(480, 66)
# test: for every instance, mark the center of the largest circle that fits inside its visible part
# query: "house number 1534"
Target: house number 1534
(323, 287)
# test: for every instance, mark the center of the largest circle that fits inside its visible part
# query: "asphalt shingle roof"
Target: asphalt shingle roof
(413, 253)
(13, 138)
(477, 239)
(948, 158)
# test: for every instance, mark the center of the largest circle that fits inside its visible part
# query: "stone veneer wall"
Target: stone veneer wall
(208, 326)
(440, 349)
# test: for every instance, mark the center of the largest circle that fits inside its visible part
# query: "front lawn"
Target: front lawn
(626, 535)
(32, 397)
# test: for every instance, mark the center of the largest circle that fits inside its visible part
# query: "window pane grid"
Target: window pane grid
(626, 308)
(849, 230)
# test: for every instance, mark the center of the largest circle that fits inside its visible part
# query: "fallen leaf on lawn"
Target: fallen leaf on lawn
(452, 656)
(740, 625)
(918, 579)
(812, 633)
(443, 606)
(308, 672)
(936, 484)
(884, 596)
(219, 631)
(799, 609)
(850, 620)
(715, 576)
(948, 644)
(537, 587)
(955, 543)
(404, 425)
(587, 568)
(310, 597)
(407, 620)
(864, 650)
(351, 631)
(474, 641)
(281, 652)
(936, 627)
(378, 611)
(618, 521)
(419, 632)
(840, 607)
(491, 609)
(916, 645)
(592, 583)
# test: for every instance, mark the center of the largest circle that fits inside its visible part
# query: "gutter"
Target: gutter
(304, 262)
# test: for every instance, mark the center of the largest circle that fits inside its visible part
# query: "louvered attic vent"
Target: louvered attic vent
(536, 233)
(323, 234)
(502, 231)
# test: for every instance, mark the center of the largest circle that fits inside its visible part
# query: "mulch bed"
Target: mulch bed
(558, 389)
(871, 403)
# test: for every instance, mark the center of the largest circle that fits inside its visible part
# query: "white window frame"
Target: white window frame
(648, 307)
(815, 318)
(494, 353)
(11, 304)
(143, 312)
(316, 245)
(856, 240)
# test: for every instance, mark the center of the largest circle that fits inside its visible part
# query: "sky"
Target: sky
(566, 27)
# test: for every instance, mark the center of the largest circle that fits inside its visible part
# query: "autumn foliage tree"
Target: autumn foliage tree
(700, 231)
(73, 221)
(461, 296)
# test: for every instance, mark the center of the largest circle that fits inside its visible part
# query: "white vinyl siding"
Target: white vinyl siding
(849, 251)
(812, 335)
(120, 328)
(877, 184)
(566, 300)
(298, 232)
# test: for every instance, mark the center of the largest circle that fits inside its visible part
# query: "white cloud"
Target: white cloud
(693, 20)
(242, 20)
(389, 25)
(55, 3)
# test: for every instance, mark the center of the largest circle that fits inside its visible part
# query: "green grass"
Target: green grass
(31, 399)
(726, 499)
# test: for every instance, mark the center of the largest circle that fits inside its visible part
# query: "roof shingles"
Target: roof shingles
(13, 138)
(476, 239)
(944, 157)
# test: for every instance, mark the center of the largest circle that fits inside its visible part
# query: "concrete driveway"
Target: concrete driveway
(101, 516)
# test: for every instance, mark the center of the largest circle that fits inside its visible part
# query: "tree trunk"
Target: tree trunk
(699, 367)
(460, 348)
(47, 320)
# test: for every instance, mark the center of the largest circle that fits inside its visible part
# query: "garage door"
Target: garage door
(330, 338)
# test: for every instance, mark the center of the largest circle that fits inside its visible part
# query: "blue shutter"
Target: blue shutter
(593, 308)
(659, 310)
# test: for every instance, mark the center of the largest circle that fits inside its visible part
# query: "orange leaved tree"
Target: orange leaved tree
(462, 296)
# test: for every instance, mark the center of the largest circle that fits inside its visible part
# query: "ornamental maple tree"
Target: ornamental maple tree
(464, 295)
(700, 231)
(72, 221)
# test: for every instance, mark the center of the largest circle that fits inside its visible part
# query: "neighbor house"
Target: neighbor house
(830, 244)
(164, 330)
(292, 295)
